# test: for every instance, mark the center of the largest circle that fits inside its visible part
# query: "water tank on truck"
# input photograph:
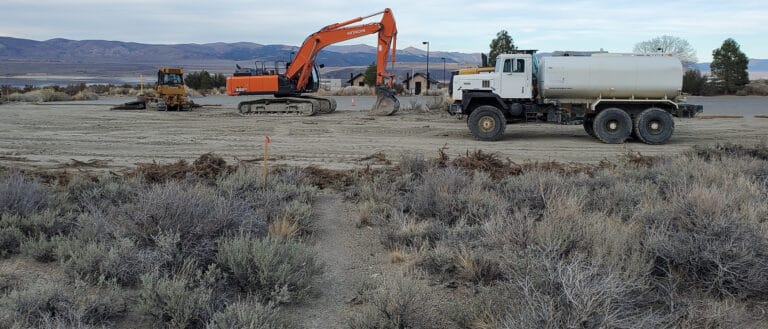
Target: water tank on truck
(607, 76)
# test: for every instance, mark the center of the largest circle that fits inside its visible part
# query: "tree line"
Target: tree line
(203, 80)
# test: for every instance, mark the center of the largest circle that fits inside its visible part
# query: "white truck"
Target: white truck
(615, 96)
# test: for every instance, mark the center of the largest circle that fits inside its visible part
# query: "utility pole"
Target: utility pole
(427, 43)
(443, 58)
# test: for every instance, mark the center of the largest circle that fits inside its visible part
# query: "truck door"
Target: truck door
(516, 78)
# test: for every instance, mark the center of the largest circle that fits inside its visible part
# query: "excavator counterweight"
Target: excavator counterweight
(301, 75)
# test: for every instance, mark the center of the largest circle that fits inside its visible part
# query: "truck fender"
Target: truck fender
(471, 100)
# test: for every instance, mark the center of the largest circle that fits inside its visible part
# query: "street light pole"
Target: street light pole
(443, 58)
(427, 43)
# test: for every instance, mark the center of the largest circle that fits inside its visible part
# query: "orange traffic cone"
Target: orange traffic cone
(353, 102)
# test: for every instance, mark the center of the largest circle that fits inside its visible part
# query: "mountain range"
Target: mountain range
(115, 58)
(100, 51)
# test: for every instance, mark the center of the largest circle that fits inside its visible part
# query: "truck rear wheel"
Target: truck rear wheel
(654, 126)
(487, 123)
(612, 125)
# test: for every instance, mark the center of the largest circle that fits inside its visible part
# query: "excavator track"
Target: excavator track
(282, 106)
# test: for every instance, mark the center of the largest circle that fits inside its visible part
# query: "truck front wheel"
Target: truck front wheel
(654, 126)
(612, 125)
(487, 123)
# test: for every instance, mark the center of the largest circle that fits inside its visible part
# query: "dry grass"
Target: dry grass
(624, 244)
(161, 236)
(643, 242)
(284, 229)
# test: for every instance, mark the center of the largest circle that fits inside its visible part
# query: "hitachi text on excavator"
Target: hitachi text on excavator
(301, 75)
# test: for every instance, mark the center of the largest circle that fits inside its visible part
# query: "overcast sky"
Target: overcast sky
(449, 25)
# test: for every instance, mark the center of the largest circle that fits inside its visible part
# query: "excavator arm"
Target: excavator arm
(298, 74)
(300, 69)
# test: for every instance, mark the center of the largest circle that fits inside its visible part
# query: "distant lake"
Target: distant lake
(51, 80)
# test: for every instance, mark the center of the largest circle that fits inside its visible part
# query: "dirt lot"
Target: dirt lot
(53, 135)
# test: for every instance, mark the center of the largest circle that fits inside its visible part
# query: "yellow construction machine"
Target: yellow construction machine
(169, 93)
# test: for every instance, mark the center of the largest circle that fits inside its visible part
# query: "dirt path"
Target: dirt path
(349, 254)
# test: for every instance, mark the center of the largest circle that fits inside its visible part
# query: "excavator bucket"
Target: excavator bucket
(386, 102)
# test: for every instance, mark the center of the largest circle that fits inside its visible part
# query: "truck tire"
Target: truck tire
(487, 123)
(589, 127)
(654, 126)
(612, 126)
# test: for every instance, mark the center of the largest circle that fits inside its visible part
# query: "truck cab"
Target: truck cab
(510, 87)
(512, 78)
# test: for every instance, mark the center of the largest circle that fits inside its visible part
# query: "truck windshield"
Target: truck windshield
(535, 61)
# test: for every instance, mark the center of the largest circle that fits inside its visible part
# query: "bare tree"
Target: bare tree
(668, 44)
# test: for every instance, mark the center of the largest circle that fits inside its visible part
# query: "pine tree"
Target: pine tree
(370, 75)
(503, 44)
(729, 66)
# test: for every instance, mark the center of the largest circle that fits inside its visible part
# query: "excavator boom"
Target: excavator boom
(302, 65)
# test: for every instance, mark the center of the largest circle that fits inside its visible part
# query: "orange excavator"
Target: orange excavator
(301, 74)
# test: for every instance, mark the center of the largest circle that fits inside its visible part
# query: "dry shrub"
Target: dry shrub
(40, 248)
(10, 241)
(707, 312)
(22, 196)
(296, 221)
(48, 223)
(176, 302)
(251, 315)
(397, 302)
(64, 305)
(85, 96)
(195, 213)
(120, 261)
(408, 232)
(99, 195)
(719, 151)
(377, 198)
(287, 190)
(412, 164)
(615, 194)
(756, 87)
(452, 195)
(40, 95)
(353, 91)
(274, 270)
(475, 267)
(398, 255)
(553, 293)
(725, 258)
